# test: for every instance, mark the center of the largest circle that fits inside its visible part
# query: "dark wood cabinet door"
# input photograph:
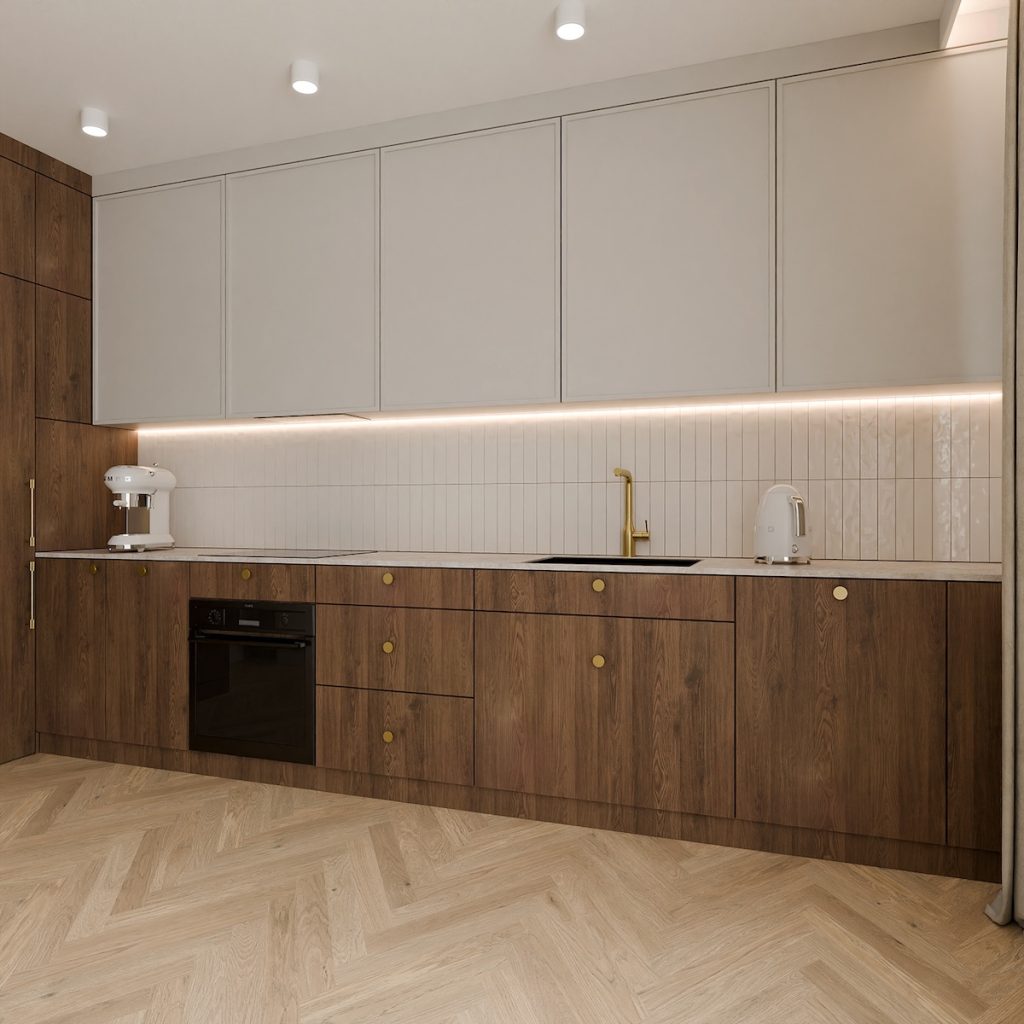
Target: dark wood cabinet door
(74, 509)
(63, 238)
(635, 712)
(17, 734)
(841, 705)
(975, 715)
(63, 356)
(17, 220)
(145, 631)
(402, 735)
(70, 697)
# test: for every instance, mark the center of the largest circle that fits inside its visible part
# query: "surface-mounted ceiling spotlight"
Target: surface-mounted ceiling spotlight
(570, 20)
(305, 77)
(94, 122)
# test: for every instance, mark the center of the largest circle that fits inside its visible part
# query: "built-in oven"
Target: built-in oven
(252, 684)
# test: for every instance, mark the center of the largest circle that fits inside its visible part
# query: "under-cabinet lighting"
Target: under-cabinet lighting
(342, 422)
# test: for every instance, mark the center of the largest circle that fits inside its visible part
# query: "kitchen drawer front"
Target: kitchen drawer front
(412, 649)
(257, 581)
(394, 586)
(628, 595)
(402, 735)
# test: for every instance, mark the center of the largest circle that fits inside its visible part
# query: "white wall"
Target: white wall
(884, 479)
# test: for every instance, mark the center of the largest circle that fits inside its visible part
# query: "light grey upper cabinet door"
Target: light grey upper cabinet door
(158, 304)
(890, 223)
(667, 248)
(302, 288)
(469, 270)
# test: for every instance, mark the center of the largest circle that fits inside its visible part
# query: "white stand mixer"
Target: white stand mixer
(144, 492)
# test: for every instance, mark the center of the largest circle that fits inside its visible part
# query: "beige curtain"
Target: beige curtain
(1009, 904)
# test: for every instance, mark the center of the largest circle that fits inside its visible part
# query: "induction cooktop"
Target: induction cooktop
(311, 553)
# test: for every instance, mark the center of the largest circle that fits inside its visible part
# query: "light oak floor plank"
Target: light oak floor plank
(144, 896)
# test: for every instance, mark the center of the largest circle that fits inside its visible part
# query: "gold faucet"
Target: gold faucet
(630, 534)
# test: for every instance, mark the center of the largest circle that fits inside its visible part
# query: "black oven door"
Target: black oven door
(253, 696)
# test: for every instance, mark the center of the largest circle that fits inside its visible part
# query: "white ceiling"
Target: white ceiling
(181, 78)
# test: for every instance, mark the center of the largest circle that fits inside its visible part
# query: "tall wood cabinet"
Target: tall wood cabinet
(16, 469)
(45, 414)
(113, 656)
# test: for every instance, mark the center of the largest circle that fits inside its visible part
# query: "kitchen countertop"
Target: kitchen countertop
(956, 571)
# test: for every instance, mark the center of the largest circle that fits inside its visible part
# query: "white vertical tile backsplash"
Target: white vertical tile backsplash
(883, 479)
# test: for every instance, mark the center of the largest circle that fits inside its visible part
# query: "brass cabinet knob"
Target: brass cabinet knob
(840, 593)
(597, 586)
(246, 573)
(388, 579)
(388, 647)
(93, 569)
(388, 736)
(597, 661)
(143, 571)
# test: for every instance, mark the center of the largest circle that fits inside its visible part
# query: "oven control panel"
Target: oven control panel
(253, 617)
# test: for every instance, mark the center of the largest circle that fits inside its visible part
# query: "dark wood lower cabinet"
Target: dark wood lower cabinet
(145, 635)
(975, 752)
(71, 695)
(848, 719)
(401, 735)
(113, 651)
(635, 712)
(841, 705)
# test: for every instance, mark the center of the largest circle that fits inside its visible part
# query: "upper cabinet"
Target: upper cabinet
(302, 288)
(890, 223)
(667, 248)
(159, 304)
(840, 229)
(469, 270)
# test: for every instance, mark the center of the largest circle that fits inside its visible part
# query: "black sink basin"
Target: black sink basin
(679, 563)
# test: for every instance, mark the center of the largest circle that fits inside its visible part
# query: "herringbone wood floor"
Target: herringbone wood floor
(149, 897)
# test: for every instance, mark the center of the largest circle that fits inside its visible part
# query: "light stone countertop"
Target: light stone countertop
(956, 571)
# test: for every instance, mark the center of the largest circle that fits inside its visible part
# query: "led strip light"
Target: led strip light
(341, 422)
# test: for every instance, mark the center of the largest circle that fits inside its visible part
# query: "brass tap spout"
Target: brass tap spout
(630, 534)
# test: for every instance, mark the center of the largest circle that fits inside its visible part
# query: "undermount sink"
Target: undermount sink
(679, 563)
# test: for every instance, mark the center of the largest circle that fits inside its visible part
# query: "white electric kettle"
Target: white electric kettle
(780, 532)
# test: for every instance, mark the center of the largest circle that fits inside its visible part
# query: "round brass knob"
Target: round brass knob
(247, 573)
(597, 586)
(143, 571)
(388, 647)
(840, 593)
(93, 569)
(388, 579)
(388, 736)
(597, 661)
